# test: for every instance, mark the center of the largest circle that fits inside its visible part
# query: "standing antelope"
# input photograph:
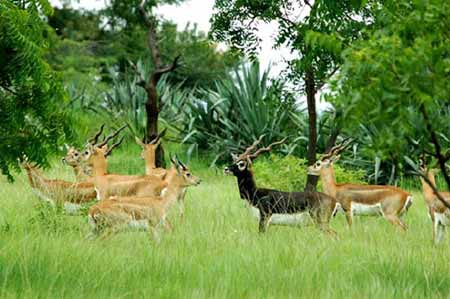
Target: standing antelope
(106, 185)
(320, 206)
(149, 155)
(439, 213)
(142, 212)
(389, 201)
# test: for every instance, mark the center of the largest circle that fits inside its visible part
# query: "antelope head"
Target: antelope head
(149, 149)
(328, 159)
(98, 152)
(243, 162)
(186, 178)
(73, 156)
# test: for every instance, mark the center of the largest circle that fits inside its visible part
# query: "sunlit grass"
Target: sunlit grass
(215, 253)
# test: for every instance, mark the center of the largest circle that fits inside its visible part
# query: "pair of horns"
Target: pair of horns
(155, 140)
(337, 149)
(247, 154)
(94, 140)
(174, 159)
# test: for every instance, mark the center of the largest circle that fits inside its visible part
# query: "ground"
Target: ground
(216, 252)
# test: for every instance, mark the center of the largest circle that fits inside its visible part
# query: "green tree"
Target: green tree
(398, 79)
(317, 31)
(31, 94)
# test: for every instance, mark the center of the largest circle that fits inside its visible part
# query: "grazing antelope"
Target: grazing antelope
(320, 206)
(149, 155)
(142, 212)
(389, 201)
(439, 213)
(106, 185)
(59, 191)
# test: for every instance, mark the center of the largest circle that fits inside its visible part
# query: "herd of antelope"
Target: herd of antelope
(143, 201)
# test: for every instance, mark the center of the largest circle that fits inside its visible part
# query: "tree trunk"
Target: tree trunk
(152, 111)
(154, 104)
(311, 181)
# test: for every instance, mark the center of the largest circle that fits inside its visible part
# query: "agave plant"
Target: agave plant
(125, 101)
(242, 108)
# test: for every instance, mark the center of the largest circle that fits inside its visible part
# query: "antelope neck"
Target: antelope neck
(247, 185)
(428, 192)
(99, 166)
(328, 181)
(173, 189)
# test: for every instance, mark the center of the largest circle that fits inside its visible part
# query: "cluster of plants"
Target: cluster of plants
(290, 172)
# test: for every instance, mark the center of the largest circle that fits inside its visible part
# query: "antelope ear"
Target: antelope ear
(158, 142)
(234, 157)
(104, 148)
(66, 146)
(173, 161)
(139, 141)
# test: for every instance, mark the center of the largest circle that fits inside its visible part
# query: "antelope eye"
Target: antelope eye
(76, 154)
(317, 164)
(241, 164)
(188, 174)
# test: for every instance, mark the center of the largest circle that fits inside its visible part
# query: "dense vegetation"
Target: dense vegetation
(382, 66)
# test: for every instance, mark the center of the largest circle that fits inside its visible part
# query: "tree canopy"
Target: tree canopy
(31, 94)
(398, 80)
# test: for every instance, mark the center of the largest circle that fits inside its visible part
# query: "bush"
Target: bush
(289, 173)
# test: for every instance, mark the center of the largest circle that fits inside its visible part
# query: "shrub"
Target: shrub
(289, 173)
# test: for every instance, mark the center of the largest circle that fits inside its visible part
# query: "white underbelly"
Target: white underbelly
(298, 219)
(361, 209)
(71, 208)
(442, 219)
(138, 224)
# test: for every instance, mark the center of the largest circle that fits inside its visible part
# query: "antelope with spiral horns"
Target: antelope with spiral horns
(106, 185)
(439, 213)
(387, 201)
(149, 155)
(320, 206)
(144, 212)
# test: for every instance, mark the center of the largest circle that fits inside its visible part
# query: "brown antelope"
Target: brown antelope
(149, 155)
(388, 201)
(73, 158)
(59, 191)
(439, 213)
(142, 212)
(106, 185)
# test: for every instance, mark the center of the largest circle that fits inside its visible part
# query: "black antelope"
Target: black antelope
(144, 212)
(439, 213)
(320, 206)
(387, 201)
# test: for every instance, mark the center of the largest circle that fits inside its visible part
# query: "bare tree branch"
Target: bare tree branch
(433, 187)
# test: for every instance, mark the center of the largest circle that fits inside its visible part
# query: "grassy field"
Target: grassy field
(216, 253)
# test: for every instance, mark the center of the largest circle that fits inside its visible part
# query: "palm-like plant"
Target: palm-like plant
(242, 108)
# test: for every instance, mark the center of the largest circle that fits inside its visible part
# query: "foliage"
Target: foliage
(85, 47)
(289, 173)
(314, 32)
(395, 76)
(243, 107)
(125, 101)
(31, 119)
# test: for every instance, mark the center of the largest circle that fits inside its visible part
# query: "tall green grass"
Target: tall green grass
(215, 253)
